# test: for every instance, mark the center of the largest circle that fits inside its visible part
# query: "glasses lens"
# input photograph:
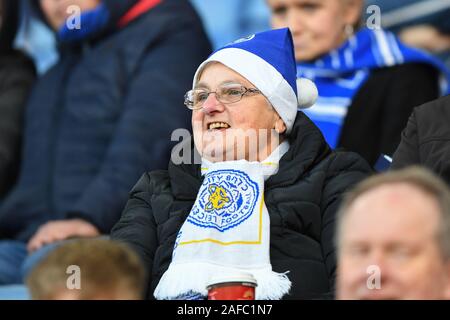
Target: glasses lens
(194, 99)
(231, 93)
(199, 97)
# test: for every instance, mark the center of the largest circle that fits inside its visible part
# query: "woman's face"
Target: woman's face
(56, 10)
(317, 26)
(240, 130)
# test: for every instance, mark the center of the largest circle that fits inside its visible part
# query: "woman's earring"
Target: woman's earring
(349, 30)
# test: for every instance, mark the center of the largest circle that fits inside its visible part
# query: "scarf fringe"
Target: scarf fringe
(175, 282)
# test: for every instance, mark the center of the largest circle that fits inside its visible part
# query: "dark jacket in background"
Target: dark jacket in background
(302, 200)
(426, 139)
(9, 24)
(103, 115)
(17, 75)
(381, 108)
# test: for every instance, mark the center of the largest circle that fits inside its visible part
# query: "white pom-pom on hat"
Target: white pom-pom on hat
(307, 93)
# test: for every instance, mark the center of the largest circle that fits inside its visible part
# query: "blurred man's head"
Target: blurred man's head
(106, 270)
(396, 227)
(56, 11)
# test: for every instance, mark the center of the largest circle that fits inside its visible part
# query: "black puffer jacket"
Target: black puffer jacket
(302, 200)
(426, 139)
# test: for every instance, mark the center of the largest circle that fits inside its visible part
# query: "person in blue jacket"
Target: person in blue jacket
(97, 120)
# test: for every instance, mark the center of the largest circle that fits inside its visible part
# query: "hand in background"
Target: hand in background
(425, 37)
(60, 230)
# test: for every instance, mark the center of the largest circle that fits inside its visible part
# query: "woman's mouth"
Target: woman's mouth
(218, 126)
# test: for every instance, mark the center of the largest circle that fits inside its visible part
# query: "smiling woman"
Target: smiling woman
(268, 211)
(317, 26)
(238, 112)
(369, 82)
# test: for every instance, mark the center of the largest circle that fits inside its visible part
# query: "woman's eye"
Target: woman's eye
(232, 92)
(309, 6)
(202, 96)
(281, 11)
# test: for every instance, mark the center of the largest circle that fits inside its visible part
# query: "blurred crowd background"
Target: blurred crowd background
(227, 20)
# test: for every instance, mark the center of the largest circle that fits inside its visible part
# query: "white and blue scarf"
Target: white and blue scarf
(226, 233)
(341, 73)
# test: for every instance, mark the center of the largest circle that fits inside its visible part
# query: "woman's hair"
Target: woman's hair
(9, 25)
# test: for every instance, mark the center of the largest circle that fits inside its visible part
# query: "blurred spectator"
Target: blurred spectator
(16, 78)
(426, 139)
(98, 119)
(228, 20)
(368, 81)
(88, 270)
(224, 21)
(394, 238)
(420, 23)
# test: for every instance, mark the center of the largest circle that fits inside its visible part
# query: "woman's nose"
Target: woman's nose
(212, 104)
(294, 22)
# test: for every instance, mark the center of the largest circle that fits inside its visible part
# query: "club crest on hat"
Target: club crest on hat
(226, 199)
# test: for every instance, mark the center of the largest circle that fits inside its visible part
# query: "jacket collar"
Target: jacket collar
(307, 149)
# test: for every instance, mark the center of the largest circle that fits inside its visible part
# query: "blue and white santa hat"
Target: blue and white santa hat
(267, 60)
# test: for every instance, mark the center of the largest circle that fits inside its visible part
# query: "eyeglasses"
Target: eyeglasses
(226, 94)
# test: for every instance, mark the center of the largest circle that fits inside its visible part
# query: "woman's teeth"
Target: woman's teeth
(218, 125)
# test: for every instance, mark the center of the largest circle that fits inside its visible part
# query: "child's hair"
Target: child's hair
(105, 270)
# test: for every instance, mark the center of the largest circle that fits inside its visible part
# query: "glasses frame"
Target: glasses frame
(190, 104)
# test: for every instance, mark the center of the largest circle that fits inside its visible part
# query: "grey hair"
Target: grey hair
(419, 177)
